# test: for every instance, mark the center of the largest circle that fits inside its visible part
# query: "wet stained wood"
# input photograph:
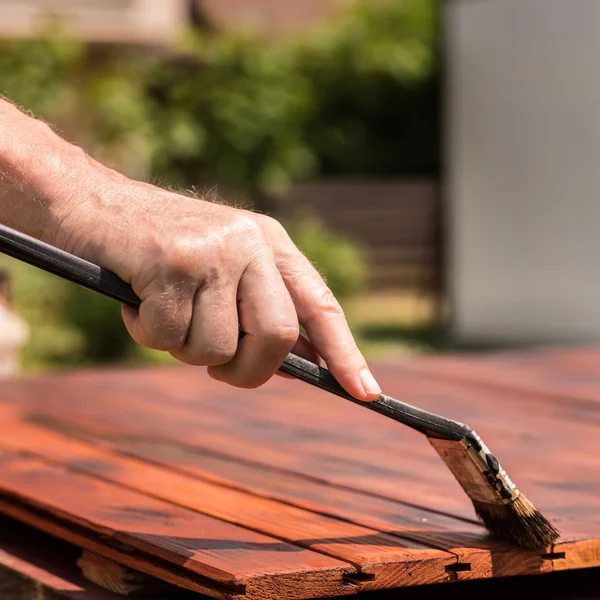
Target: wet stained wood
(319, 478)
(233, 557)
(340, 452)
(571, 374)
(468, 552)
(388, 561)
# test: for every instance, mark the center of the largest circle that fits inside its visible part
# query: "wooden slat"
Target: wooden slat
(248, 563)
(345, 455)
(390, 561)
(343, 459)
(555, 373)
(172, 455)
(299, 467)
(35, 565)
(478, 555)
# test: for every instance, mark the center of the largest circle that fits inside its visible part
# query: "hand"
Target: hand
(202, 270)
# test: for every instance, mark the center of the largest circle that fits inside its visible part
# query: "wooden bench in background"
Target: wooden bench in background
(398, 222)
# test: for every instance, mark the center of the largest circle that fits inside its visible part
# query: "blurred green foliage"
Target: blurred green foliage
(357, 96)
(35, 74)
(340, 260)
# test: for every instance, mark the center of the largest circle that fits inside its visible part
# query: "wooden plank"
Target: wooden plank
(124, 555)
(562, 374)
(343, 452)
(368, 465)
(227, 425)
(476, 555)
(34, 565)
(123, 581)
(342, 455)
(473, 548)
(248, 563)
(340, 479)
(388, 560)
(257, 427)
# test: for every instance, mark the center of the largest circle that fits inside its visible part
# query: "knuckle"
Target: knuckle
(246, 381)
(166, 325)
(285, 333)
(347, 352)
(184, 259)
(217, 355)
(249, 382)
(165, 342)
(213, 356)
(327, 303)
(180, 259)
(249, 227)
(271, 225)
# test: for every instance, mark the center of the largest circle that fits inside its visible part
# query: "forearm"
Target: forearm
(44, 177)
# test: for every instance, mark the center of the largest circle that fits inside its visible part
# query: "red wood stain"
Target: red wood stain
(289, 492)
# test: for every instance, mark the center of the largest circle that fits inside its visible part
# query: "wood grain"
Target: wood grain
(392, 562)
(289, 491)
(34, 565)
(473, 552)
(232, 556)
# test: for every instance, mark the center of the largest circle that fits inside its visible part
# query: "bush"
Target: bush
(339, 259)
(357, 97)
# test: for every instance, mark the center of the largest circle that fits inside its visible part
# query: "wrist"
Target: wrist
(51, 179)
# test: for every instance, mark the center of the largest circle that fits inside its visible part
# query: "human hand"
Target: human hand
(202, 270)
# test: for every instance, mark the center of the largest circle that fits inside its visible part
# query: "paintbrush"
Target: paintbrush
(503, 509)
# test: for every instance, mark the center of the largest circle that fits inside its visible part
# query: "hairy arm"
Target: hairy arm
(200, 269)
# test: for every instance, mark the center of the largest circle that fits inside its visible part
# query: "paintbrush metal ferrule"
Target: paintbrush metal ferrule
(476, 469)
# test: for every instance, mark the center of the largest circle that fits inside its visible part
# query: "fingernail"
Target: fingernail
(370, 386)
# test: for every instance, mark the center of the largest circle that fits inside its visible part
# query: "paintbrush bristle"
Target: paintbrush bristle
(506, 512)
(519, 522)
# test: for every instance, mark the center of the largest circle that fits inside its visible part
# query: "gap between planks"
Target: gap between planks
(382, 560)
(233, 561)
(203, 407)
(489, 559)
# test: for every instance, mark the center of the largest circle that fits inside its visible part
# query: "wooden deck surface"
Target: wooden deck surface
(287, 492)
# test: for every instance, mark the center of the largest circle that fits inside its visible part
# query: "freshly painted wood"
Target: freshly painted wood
(468, 545)
(233, 557)
(36, 566)
(304, 470)
(123, 554)
(390, 561)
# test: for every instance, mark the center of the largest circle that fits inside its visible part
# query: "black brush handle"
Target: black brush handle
(44, 256)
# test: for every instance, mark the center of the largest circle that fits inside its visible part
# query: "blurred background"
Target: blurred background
(324, 114)
(436, 161)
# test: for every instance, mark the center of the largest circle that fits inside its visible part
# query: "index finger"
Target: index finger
(323, 318)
